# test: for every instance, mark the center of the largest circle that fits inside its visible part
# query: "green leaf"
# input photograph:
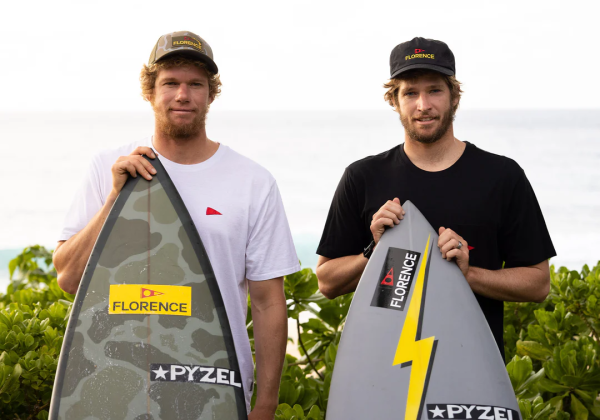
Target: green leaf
(314, 413)
(578, 409)
(534, 350)
(299, 411)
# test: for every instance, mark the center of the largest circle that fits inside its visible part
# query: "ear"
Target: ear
(211, 99)
(455, 102)
(149, 97)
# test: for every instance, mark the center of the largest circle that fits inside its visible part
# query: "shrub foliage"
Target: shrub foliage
(552, 348)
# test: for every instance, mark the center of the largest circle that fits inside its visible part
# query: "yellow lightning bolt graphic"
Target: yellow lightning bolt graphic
(410, 349)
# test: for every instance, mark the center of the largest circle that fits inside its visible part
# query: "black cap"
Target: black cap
(422, 53)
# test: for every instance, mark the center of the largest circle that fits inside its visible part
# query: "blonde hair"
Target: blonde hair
(393, 86)
(149, 74)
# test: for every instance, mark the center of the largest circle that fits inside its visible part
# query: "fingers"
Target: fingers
(141, 165)
(388, 215)
(446, 235)
(448, 246)
(143, 150)
(378, 227)
(454, 253)
(391, 209)
(448, 243)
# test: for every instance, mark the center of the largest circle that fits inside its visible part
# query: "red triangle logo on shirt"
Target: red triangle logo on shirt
(210, 211)
(471, 247)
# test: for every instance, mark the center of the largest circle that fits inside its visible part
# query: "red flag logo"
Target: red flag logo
(146, 293)
(388, 280)
(210, 211)
(418, 50)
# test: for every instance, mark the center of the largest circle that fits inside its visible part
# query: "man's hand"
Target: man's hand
(454, 246)
(262, 413)
(132, 164)
(388, 215)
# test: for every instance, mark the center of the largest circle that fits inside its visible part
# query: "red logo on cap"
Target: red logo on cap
(187, 38)
(417, 51)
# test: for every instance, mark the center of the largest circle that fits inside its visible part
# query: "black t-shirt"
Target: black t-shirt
(483, 197)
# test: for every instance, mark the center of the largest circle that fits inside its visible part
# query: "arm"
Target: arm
(519, 284)
(269, 314)
(338, 276)
(70, 257)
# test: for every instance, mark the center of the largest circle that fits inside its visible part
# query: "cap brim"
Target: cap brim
(440, 69)
(210, 64)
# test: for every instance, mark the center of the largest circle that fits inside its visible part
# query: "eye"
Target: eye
(409, 93)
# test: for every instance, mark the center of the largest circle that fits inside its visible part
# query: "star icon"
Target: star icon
(437, 412)
(160, 373)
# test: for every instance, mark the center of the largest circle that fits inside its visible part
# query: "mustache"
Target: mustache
(426, 115)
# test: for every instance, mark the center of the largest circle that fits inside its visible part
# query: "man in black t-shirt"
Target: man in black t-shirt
(488, 217)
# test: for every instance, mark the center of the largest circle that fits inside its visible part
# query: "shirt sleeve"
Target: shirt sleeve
(343, 234)
(524, 238)
(270, 251)
(86, 203)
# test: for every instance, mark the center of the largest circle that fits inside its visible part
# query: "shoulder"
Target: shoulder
(375, 163)
(107, 157)
(497, 166)
(245, 167)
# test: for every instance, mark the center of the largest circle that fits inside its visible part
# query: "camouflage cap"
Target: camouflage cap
(183, 43)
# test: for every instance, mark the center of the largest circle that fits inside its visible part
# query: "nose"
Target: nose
(423, 103)
(182, 93)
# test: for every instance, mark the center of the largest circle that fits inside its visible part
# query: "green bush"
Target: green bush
(33, 317)
(552, 348)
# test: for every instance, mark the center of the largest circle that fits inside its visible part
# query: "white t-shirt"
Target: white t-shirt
(249, 239)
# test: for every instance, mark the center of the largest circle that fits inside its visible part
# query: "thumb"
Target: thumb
(442, 229)
(396, 200)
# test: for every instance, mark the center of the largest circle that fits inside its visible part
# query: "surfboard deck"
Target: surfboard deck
(148, 337)
(416, 344)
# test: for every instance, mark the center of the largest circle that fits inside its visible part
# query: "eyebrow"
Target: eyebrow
(174, 79)
(431, 86)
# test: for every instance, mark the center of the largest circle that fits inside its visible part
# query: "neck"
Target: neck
(186, 151)
(436, 156)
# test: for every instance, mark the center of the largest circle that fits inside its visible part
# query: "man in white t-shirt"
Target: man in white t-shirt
(234, 203)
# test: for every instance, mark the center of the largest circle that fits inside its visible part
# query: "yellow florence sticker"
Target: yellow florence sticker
(150, 299)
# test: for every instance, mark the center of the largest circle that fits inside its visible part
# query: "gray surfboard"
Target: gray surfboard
(148, 336)
(416, 344)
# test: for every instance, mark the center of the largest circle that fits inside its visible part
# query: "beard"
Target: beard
(410, 126)
(179, 131)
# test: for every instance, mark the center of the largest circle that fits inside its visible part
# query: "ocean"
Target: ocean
(46, 155)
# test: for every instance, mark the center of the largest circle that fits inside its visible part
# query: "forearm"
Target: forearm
(270, 339)
(71, 256)
(339, 276)
(520, 284)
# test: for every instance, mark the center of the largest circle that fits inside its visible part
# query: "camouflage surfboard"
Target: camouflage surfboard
(148, 337)
(416, 344)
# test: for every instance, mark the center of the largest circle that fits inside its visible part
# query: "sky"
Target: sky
(298, 55)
